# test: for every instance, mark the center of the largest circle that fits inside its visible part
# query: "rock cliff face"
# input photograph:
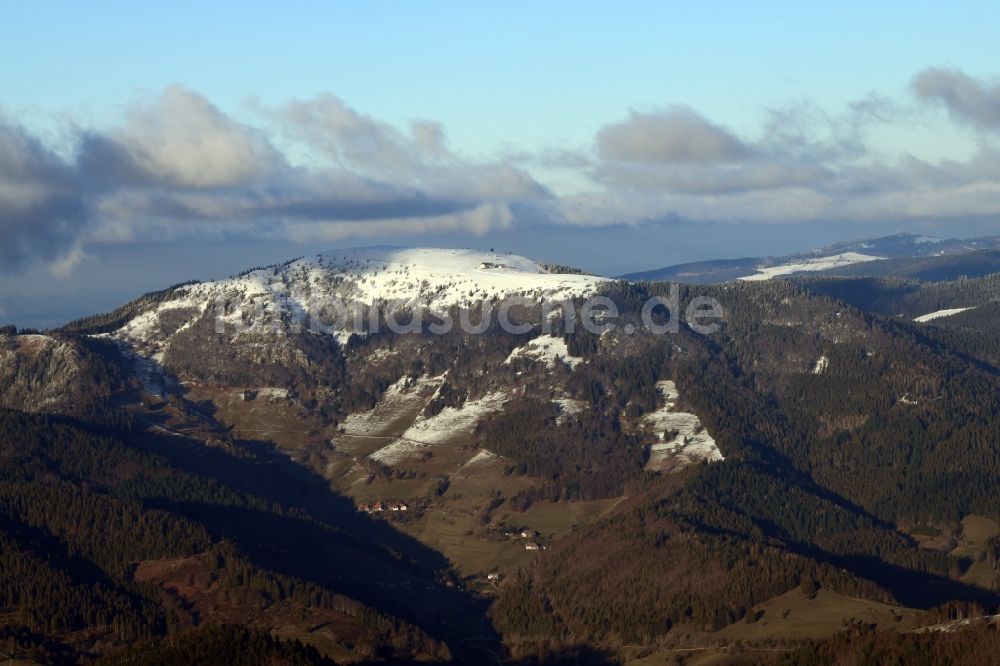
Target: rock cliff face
(39, 373)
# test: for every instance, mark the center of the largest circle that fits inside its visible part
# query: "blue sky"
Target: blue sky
(616, 138)
(492, 73)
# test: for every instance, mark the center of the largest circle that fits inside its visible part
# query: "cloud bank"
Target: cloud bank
(319, 171)
(805, 165)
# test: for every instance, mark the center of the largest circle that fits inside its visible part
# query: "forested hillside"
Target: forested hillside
(823, 460)
(83, 512)
(539, 492)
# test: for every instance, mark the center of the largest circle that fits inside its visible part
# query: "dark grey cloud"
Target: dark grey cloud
(42, 208)
(177, 166)
(678, 135)
(968, 100)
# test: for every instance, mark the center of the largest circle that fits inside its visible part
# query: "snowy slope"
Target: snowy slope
(822, 363)
(451, 421)
(545, 349)
(682, 439)
(940, 313)
(811, 265)
(452, 426)
(442, 278)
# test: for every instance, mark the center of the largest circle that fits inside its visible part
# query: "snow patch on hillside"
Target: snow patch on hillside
(397, 452)
(452, 422)
(272, 393)
(451, 427)
(822, 363)
(810, 265)
(940, 313)
(568, 407)
(958, 625)
(481, 459)
(380, 355)
(146, 327)
(406, 393)
(546, 349)
(443, 429)
(683, 439)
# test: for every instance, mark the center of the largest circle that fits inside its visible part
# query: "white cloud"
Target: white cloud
(183, 140)
(64, 265)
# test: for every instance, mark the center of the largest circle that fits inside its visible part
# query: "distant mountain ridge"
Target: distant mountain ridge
(867, 257)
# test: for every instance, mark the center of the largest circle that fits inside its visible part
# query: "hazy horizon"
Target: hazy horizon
(43, 306)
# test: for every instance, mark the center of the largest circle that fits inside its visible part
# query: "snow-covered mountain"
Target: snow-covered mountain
(255, 331)
(326, 291)
(275, 324)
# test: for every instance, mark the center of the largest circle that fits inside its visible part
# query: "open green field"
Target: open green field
(555, 519)
(319, 639)
(267, 418)
(794, 615)
(692, 657)
(789, 616)
(455, 533)
(976, 530)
